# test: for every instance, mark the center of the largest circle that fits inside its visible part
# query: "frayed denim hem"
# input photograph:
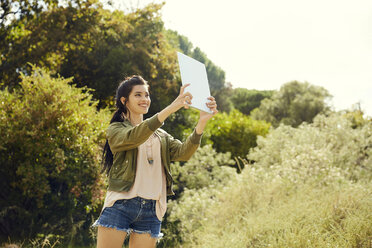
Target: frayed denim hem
(97, 224)
(129, 230)
(157, 236)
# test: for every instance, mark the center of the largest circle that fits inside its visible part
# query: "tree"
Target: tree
(246, 100)
(128, 44)
(98, 48)
(49, 156)
(95, 46)
(293, 104)
(39, 32)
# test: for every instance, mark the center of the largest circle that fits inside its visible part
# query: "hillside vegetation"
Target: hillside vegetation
(275, 168)
(309, 187)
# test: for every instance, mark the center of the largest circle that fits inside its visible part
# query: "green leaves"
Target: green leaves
(310, 186)
(326, 151)
(246, 100)
(235, 132)
(293, 104)
(50, 155)
(97, 47)
(205, 169)
(197, 183)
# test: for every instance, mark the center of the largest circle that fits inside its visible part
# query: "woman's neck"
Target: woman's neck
(135, 119)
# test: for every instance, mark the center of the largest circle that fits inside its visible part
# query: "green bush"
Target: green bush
(196, 183)
(49, 159)
(235, 132)
(309, 187)
(206, 168)
(331, 147)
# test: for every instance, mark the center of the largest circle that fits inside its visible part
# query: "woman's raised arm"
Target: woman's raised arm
(182, 100)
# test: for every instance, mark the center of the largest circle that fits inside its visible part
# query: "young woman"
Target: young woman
(137, 158)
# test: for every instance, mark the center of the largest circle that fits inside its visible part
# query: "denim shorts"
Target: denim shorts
(136, 214)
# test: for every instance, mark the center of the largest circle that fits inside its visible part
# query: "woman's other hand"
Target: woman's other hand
(204, 117)
(212, 105)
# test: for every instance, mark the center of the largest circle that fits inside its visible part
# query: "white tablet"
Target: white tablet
(194, 73)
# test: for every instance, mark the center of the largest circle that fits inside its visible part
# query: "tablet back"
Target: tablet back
(194, 73)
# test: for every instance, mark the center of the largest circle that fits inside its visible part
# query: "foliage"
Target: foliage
(330, 145)
(40, 32)
(235, 132)
(195, 182)
(356, 117)
(293, 104)
(246, 100)
(127, 44)
(258, 214)
(206, 168)
(98, 48)
(95, 46)
(49, 159)
(309, 187)
(24, 9)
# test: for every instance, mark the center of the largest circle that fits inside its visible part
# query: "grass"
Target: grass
(258, 213)
(276, 214)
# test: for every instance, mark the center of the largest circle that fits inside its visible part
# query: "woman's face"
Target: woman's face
(139, 100)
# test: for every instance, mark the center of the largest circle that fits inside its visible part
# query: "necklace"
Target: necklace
(149, 153)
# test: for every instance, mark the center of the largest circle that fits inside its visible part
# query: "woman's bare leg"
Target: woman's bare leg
(137, 240)
(110, 238)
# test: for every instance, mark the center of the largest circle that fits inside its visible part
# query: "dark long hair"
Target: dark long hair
(124, 89)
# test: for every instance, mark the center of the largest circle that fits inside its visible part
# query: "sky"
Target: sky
(264, 44)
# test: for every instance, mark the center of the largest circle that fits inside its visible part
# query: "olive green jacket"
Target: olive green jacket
(124, 140)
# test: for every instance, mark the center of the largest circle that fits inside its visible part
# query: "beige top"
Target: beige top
(150, 181)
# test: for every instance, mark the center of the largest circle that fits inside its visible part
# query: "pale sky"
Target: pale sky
(264, 44)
